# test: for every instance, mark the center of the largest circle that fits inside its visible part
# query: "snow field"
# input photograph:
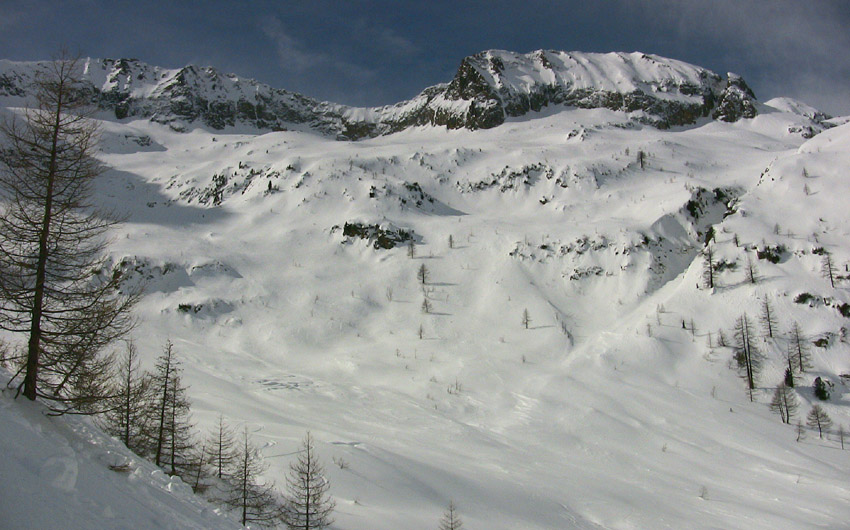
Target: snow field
(583, 420)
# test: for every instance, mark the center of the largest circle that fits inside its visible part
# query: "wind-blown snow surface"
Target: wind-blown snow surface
(65, 473)
(605, 413)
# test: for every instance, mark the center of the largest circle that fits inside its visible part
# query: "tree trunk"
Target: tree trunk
(162, 408)
(128, 400)
(34, 347)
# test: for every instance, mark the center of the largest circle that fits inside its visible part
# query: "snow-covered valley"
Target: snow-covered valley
(615, 405)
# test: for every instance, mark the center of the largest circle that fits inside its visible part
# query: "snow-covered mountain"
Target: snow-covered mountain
(488, 88)
(186, 97)
(492, 86)
(277, 263)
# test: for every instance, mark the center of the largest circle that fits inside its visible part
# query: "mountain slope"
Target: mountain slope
(581, 420)
(278, 265)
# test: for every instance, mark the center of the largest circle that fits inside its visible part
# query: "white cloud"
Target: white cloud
(317, 73)
(385, 41)
(290, 53)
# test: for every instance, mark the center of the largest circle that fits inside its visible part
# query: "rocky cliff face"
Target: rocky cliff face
(187, 96)
(488, 88)
(736, 101)
(493, 86)
(191, 94)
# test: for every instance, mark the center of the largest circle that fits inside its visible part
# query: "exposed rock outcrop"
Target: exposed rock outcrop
(737, 101)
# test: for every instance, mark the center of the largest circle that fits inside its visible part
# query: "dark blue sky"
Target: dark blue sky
(378, 52)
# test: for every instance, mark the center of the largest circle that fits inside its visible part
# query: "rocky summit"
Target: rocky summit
(489, 88)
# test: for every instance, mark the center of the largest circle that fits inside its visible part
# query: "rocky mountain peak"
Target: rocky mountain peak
(498, 84)
(488, 88)
(737, 100)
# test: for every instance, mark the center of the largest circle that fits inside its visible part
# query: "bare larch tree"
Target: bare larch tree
(172, 442)
(768, 316)
(709, 270)
(53, 291)
(798, 347)
(255, 503)
(785, 403)
(221, 449)
(746, 353)
(817, 418)
(129, 416)
(308, 504)
(828, 268)
(450, 519)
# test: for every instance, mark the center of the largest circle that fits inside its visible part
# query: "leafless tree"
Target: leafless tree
(422, 274)
(54, 289)
(199, 469)
(798, 348)
(308, 504)
(450, 519)
(526, 318)
(751, 271)
(784, 403)
(172, 442)
(768, 316)
(255, 503)
(221, 449)
(746, 353)
(4, 355)
(828, 268)
(129, 416)
(722, 341)
(817, 418)
(801, 432)
(709, 267)
(181, 443)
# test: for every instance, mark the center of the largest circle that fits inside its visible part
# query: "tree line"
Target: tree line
(151, 414)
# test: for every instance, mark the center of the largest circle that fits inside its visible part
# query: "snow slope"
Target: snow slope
(58, 472)
(616, 408)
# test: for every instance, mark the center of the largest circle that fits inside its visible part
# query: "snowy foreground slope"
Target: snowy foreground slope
(65, 473)
(616, 408)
